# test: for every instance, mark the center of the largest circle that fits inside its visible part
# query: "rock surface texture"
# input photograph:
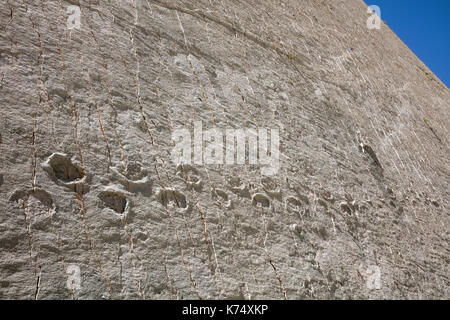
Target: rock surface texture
(92, 206)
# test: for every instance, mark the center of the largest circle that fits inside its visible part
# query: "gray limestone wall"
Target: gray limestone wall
(93, 206)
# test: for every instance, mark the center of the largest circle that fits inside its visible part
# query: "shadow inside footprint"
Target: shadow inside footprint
(169, 195)
(62, 168)
(114, 201)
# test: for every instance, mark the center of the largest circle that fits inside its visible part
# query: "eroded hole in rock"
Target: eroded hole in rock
(269, 183)
(114, 201)
(241, 191)
(43, 197)
(172, 196)
(194, 179)
(134, 171)
(303, 198)
(293, 203)
(233, 181)
(260, 199)
(39, 210)
(64, 169)
(39, 195)
(159, 289)
(191, 176)
(328, 196)
(322, 203)
(322, 232)
(1, 179)
(39, 204)
(344, 206)
(235, 185)
(222, 194)
(271, 188)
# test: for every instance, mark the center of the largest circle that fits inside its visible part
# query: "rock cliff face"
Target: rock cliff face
(93, 206)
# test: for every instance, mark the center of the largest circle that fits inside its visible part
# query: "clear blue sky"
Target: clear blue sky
(424, 26)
